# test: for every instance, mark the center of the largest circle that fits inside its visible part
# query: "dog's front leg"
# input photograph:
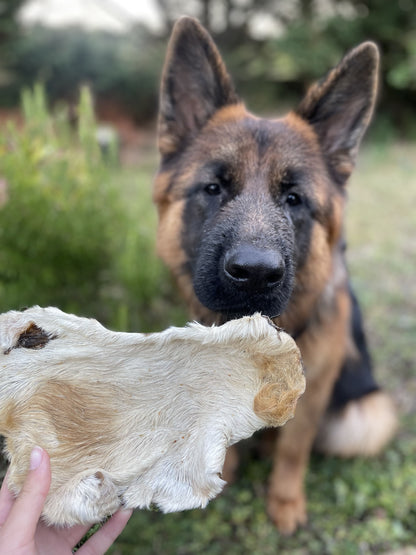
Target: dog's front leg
(323, 349)
(286, 500)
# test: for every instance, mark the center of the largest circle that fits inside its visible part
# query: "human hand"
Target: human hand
(21, 531)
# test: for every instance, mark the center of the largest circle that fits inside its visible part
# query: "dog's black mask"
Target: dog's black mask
(242, 253)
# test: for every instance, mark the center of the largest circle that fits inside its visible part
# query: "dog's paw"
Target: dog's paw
(287, 514)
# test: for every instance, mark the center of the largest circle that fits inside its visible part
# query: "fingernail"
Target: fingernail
(35, 458)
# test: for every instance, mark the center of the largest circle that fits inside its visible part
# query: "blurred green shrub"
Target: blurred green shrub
(66, 238)
(57, 224)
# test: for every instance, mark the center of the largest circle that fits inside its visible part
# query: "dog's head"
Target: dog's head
(250, 210)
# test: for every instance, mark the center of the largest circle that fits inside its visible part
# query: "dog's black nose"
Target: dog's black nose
(251, 267)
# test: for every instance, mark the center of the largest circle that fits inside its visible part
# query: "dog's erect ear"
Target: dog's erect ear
(340, 107)
(194, 85)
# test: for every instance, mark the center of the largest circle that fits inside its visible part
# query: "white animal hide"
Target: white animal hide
(134, 419)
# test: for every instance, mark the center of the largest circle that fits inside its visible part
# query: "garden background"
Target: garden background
(77, 227)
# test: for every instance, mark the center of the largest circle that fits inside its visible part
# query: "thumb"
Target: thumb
(26, 511)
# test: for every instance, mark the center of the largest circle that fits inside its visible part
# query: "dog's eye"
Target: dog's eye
(293, 199)
(212, 189)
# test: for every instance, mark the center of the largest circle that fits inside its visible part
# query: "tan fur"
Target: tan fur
(133, 419)
(362, 427)
(285, 388)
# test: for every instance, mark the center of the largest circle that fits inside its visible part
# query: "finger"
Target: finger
(74, 534)
(6, 500)
(25, 513)
(103, 539)
(69, 536)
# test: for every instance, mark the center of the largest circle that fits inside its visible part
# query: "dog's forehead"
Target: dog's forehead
(238, 138)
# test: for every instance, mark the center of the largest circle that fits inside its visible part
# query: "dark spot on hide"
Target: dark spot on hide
(33, 337)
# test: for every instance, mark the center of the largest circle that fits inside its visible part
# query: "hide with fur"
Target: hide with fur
(134, 419)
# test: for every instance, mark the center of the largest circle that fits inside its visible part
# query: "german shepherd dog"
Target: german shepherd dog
(251, 220)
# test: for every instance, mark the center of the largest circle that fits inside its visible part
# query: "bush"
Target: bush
(66, 236)
(55, 239)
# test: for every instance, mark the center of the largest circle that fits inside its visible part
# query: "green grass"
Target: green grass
(358, 506)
